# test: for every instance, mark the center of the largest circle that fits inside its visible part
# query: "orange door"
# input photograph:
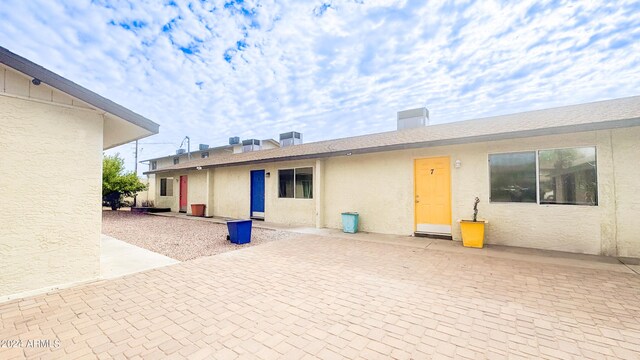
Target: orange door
(183, 193)
(433, 195)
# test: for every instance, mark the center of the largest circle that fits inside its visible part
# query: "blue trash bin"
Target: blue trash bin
(239, 231)
(350, 222)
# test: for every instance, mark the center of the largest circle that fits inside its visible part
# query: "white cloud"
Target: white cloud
(327, 69)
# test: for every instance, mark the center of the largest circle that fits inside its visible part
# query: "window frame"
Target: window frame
(537, 153)
(313, 175)
(154, 164)
(595, 150)
(167, 181)
(176, 160)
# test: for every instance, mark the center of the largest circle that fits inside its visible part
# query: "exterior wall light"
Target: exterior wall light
(458, 164)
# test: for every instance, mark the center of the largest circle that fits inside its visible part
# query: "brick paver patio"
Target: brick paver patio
(320, 297)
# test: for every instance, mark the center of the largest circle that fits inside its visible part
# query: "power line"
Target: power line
(158, 143)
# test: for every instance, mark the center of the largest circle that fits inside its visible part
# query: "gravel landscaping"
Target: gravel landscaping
(180, 239)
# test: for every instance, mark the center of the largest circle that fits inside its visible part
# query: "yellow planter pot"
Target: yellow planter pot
(472, 233)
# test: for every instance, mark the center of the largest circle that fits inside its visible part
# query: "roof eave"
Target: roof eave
(69, 87)
(614, 124)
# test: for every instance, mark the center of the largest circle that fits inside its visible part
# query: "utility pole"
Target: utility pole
(135, 166)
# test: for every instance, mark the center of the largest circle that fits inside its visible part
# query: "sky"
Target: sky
(329, 69)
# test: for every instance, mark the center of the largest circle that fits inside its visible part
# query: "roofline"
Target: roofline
(198, 150)
(67, 86)
(566, 129)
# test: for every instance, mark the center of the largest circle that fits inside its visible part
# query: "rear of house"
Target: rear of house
(50, 220)
(558, 179)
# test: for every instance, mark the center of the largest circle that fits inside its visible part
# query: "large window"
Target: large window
(513, 177)
(568, 176)
(556, 176)
(166, 187)
(154, 165)
(295, 183)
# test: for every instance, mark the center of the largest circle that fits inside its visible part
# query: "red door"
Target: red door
(183, 193)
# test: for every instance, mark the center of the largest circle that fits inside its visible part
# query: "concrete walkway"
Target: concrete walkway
(119, 258)
(621, 264)
(342, 297)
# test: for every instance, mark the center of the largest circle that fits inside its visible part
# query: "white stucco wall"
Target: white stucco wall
(50, 213)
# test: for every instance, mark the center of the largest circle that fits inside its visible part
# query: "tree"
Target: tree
(116, 183)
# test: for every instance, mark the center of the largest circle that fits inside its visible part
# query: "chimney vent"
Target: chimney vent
(290, 138)
(413, 118)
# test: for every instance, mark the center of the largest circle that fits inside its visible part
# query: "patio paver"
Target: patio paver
(327, 297)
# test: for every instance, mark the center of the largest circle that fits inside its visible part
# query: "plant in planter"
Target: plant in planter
(473, 230)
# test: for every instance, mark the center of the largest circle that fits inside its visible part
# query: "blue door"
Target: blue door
(257, 194)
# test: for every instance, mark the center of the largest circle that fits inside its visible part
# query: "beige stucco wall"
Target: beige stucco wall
(50, 213)
(115, 131)
(229, 189)
(626, 155)
(15, 83)
(232, 191)
(167, 201)
(380, 186)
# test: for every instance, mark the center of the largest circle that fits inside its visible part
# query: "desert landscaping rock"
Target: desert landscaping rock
(180, 239)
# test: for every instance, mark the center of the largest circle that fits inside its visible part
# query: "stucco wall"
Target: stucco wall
(196, 188)
(232, 192)
(15, 83)
(50, 213)
(626, 155)
(168, 201)
(380, 187)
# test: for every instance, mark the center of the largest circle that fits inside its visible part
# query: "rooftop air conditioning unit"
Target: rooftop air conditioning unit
(290, 138)
(234, 140)
(413, 118)
(250, 145)
(203, 147)
(180, 151)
